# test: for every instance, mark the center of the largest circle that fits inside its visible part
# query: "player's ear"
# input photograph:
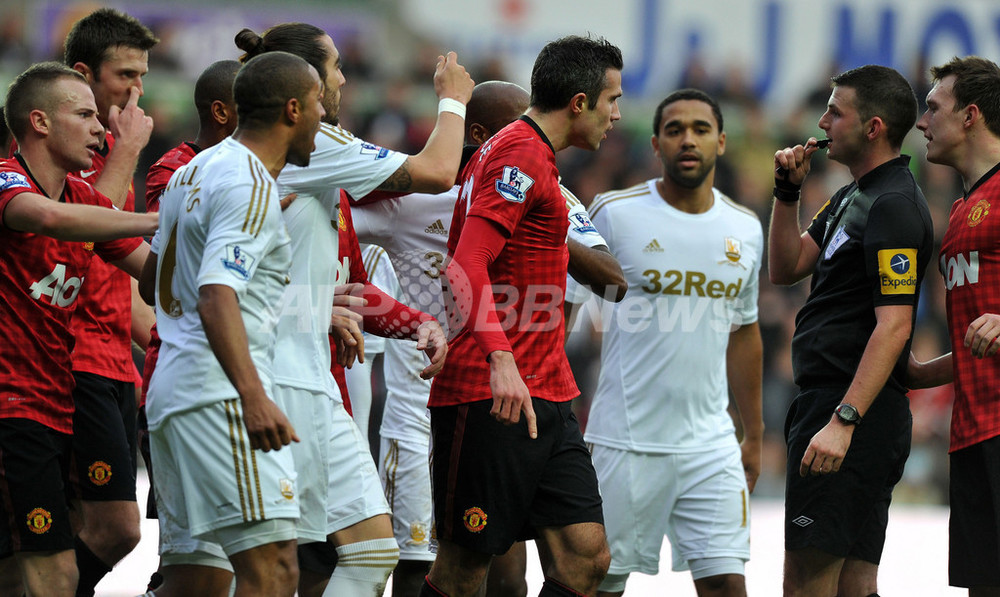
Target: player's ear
(578, 103)
(39, 122)
(874, 127)
(86, 71)
(293, 109)
(478, 133)
(220, 112)
(972, 114)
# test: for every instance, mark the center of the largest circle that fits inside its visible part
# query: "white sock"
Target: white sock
(363, 568)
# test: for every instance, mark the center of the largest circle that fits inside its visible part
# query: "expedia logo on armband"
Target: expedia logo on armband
(897, 271)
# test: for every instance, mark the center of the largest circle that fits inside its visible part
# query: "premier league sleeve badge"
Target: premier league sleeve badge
(514, 184)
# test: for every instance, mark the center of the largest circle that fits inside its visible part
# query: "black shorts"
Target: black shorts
(104, 439)
(493, 485)
(845, 513)
(34, 482)
(974, 528)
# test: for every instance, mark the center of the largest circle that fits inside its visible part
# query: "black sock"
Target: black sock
(91, 568)
(155, 580)
(554, 588)
(429, 590)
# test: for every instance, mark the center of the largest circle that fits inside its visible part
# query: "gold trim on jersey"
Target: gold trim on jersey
(336, 133)
(259, 194)
(246, 475)
(373, 258)
(611, 196)
(571, 199)
(267, 205)
(727, 200)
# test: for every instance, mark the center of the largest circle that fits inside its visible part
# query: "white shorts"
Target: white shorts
(406, 476)
(338, 481)
(208, 478)
(698, 501)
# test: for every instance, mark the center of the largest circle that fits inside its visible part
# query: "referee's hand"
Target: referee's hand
(827, 449)
(792, 164)
(510, 395)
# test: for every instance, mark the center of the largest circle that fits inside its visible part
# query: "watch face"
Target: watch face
(848, 413)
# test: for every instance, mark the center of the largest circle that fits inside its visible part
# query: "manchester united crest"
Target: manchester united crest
(474, 519)
(979, 212)
(39, 521)
(99, 472)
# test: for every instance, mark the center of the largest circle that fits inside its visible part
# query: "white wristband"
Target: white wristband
(454, 106)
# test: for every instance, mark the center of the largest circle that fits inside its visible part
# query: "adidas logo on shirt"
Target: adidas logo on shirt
(653, 247)
(436, 228)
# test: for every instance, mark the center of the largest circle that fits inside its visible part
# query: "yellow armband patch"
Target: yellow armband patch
(897, 271)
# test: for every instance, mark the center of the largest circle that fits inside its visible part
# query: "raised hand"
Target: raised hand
(130, 125)
(451, 80)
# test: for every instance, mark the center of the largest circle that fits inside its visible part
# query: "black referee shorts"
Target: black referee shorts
(493, 485)
(845, 513)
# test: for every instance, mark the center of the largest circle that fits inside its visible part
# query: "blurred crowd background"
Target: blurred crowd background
(389, 48)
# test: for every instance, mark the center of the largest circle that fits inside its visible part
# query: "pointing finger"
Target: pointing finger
(133, 98)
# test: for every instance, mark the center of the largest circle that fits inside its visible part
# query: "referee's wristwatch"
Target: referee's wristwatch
(848, 414)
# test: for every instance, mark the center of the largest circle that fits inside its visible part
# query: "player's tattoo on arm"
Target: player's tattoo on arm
(400, 180)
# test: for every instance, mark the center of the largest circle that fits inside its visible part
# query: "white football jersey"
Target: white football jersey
(405, 416)
(413, 230)
(220, 223)
(693, 278)
(340, 161)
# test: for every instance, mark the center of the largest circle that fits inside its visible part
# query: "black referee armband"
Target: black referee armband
(785, 191)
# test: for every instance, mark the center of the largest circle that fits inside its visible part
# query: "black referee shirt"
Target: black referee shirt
(876, 239)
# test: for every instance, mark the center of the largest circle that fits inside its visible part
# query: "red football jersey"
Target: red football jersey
(103, 319)
(156, 181)
(40, 280)
(970, 264)
(159, 173)
(513, 182)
